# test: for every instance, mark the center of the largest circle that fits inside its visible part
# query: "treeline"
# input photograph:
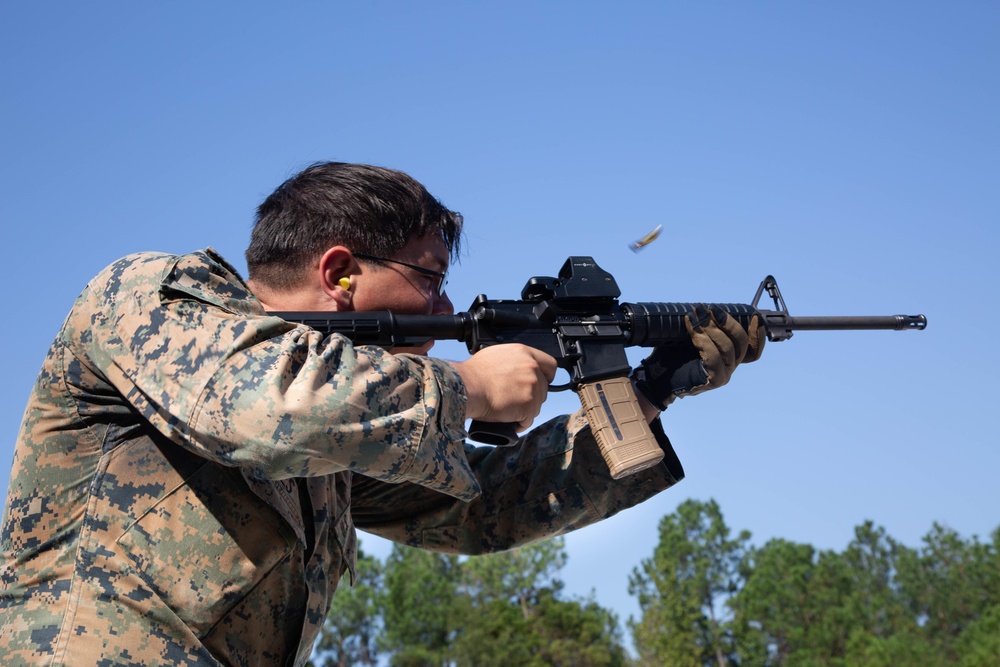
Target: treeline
(707, 598)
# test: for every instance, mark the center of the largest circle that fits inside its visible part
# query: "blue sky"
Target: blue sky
(848, 148)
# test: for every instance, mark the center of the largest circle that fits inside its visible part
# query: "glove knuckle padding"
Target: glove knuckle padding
(739, 339)
(724, 348)
(756, 339)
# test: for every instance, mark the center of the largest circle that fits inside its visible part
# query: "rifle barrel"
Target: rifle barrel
(865, 322)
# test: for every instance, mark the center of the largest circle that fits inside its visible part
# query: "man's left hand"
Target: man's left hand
(717, 344)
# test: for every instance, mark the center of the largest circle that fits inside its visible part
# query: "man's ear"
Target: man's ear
(336, 270)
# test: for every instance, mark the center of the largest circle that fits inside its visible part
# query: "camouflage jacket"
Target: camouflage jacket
(190, 471)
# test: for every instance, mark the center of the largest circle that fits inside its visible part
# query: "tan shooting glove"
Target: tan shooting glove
(717, 345)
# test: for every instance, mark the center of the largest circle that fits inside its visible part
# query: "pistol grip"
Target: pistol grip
(622, 433)
(501, 434)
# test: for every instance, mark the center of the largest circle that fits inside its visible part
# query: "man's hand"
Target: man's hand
(507, 383)
(717, 345)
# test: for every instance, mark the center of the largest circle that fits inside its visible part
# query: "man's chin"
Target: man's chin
(421, 350)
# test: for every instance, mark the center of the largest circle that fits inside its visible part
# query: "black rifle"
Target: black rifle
(577, 319)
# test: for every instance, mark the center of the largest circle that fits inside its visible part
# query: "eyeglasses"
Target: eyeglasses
(437, 285)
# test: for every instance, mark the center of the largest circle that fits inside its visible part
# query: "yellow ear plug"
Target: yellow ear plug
(345, 283)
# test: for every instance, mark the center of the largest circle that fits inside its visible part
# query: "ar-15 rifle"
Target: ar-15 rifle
(577, 319)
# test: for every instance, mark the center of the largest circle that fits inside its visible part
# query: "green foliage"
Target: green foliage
(782, 585)
(577, 633)
(439, 610)
(877, 603)
(684, 588)
(515, 615)
(419, 604)
(979, 643)
(706, 597)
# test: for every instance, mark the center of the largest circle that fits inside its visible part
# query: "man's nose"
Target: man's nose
(443, 305)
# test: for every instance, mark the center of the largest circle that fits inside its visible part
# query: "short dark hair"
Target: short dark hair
(369, 209)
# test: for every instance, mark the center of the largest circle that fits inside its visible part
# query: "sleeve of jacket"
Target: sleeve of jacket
(194, 352)
(552, 482)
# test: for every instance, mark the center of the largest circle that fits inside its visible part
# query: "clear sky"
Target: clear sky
(849, 148)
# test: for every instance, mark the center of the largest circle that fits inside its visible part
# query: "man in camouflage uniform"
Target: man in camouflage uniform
(190, 471)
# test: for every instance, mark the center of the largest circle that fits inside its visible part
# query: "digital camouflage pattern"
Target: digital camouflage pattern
(184, 487)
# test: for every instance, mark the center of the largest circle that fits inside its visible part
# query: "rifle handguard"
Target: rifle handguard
(622, 433)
